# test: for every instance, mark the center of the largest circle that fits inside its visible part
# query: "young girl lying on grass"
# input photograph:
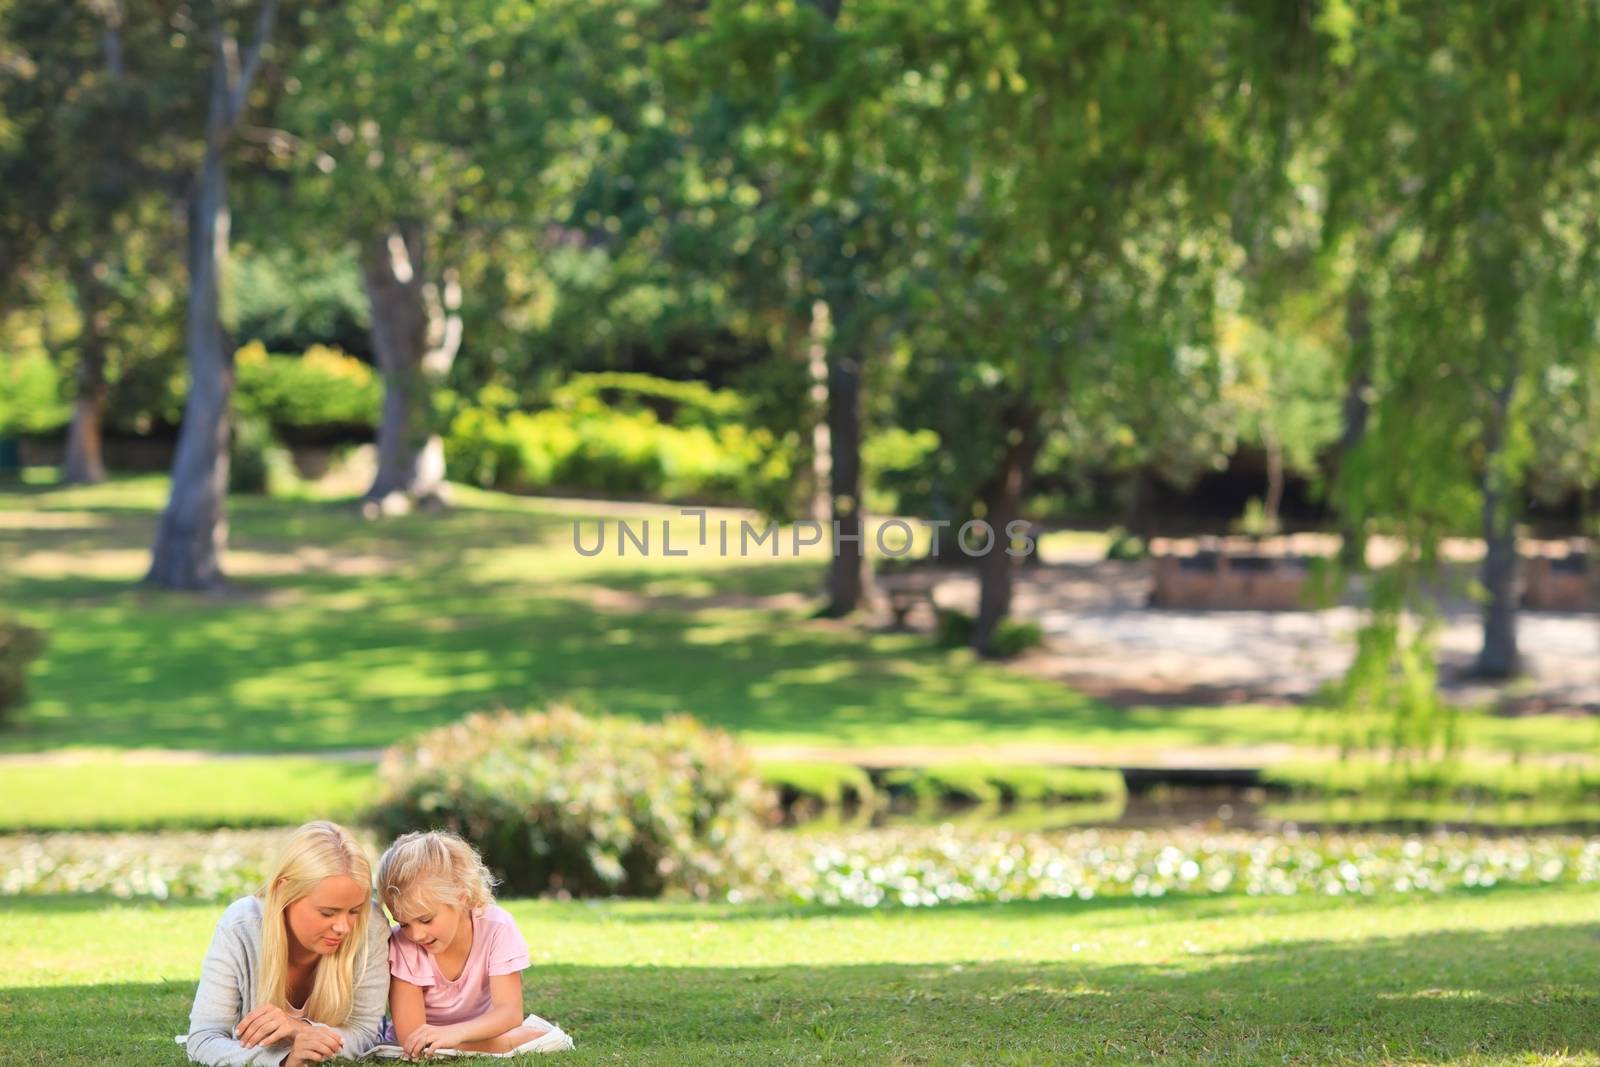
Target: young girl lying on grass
(455, 958)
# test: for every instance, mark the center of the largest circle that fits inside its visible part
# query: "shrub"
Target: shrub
(587, 446)
(676, 403)
(321, 390)
(19, 646)
(257, 462)
(558, 802)
(32, 395)
(1125, 547)
(1011, 638)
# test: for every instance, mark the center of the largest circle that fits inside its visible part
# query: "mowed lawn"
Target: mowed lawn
(340, 633)
(1504, 976)
(343, 633)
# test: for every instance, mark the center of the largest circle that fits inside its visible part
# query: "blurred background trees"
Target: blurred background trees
(1277, 266)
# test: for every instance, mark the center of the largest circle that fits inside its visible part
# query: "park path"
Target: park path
(1102, 639)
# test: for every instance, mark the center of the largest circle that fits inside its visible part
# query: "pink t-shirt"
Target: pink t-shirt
(497, 948)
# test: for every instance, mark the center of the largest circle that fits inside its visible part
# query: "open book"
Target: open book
(553, 1040)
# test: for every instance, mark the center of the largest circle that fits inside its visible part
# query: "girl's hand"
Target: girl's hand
(314, 1044)
(425, 1040)
(267, 1025)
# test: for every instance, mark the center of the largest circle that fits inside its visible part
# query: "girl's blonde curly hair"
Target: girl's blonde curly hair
(424, 869)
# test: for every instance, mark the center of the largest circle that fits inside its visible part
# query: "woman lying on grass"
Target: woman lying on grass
(297, 973)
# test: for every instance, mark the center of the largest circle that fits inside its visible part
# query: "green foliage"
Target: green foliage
(1446, 779)
(32, 399)
(1125, 547)
(293, 301)
(606, 434)
(1255, 522)
(558, 802)
(1012, 637)
(19, 646)
(825, 784)
(1388, 700)
(257, 462)
(322, 390)
(673, 402)
(976, 783)
(893, 458)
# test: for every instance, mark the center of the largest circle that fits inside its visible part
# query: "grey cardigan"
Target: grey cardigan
(228, 990)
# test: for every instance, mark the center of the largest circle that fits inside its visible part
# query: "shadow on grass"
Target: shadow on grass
(359, 661)
(1172, 907)
(1459, 995)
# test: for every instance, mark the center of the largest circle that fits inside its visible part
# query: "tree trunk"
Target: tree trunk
(193, 534)
(1498, 658)
(821, 446)
(1273, 503)
(1139, 491)
(1002, 498)
(849, 582)
(85, 463)
(85, 460)
(1358, 329)
(416, 332)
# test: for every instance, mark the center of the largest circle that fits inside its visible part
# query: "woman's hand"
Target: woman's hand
(314, 1044)
(425, 1040)
(267, 1025)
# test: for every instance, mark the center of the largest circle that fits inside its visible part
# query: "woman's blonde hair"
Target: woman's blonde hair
(423, 869)
(317, 850)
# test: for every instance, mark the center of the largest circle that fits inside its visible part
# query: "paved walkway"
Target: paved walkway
(1103, 639)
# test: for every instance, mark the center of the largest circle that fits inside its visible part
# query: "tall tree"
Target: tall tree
(808, 106)
(1083, 204)
(468, 128)
(95, 99)
(193, 535)
(1483, 145)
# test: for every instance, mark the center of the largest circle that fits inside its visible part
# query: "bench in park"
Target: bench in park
(906, 583)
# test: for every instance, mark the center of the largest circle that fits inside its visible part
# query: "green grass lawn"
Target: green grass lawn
(144, 793)
(345, 634)
(1506, 976)
(342, 633)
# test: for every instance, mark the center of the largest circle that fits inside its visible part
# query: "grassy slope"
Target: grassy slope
(1501, 977)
